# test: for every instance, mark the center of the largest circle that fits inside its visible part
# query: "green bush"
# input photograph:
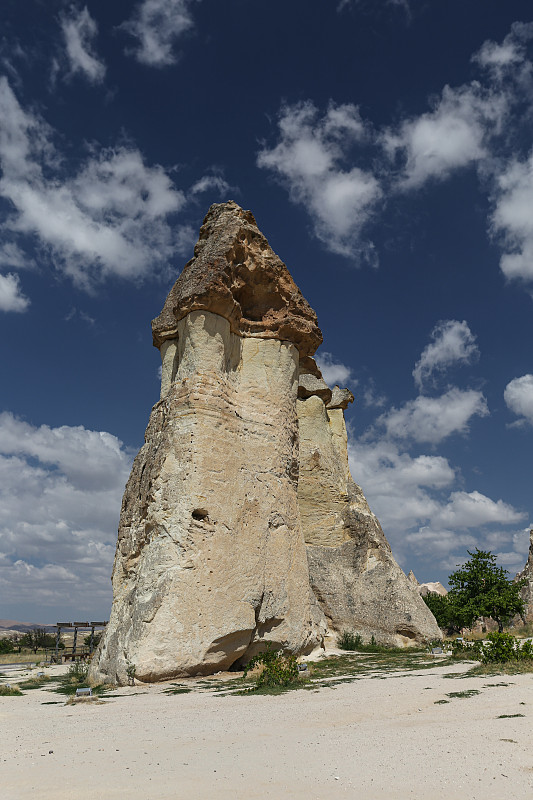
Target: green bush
(279, 668)
(461, 649)
(348, 640)
(6, 646)
(501, 648)
(77, 672)
(527, 649)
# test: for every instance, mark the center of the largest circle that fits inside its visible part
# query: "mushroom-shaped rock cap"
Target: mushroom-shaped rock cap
(235, 273)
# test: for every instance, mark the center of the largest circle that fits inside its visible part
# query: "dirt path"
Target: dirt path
(386, 738)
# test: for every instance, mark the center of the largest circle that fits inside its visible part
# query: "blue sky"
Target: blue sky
(386, 150)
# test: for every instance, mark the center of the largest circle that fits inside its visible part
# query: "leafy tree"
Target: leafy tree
(480, 588)
(38, 638)
(6, 646)
(439, 606)
(96, 640)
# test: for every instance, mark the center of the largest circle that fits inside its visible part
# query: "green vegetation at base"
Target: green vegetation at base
(10, 691)
(76, 678)
(276, 671)
(501, 648)
(177, 688)
(35, 683)
(353, 642)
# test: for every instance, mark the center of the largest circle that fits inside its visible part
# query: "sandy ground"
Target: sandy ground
(383, 738)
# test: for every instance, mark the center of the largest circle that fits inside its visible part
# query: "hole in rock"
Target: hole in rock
(200, 514)
(407, 632)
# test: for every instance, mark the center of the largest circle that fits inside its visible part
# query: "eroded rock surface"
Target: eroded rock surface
(236, 475)
(527, 589)
(353, 573)
(211, 558)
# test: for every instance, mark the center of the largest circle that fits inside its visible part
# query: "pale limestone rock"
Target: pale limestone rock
(211, 561)
(412, 577)
(340, 398)
(309, 384)
(432, 587)
(527, 589)
(353, 573)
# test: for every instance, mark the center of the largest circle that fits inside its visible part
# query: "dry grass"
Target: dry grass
(21, 658)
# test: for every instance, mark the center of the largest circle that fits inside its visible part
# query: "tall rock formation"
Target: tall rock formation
(527, 589)
(233, 480)
(352, 570)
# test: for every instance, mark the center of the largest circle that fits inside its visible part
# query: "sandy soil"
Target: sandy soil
(383, 738)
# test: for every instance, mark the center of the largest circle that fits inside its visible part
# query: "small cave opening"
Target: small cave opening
(200, 515)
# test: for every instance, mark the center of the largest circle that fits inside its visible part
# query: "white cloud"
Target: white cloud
(115, 217)
(398, 485)
(309, 160)
(158, 25)
(450, 137)
(512, 218)
(11, 255)
(60, 492)
(453, 343)
(11, 296)
(433, 419)
(343, 171)
(473, 509)
(508, 59)
(518, 396)
(371, 397)
(79, 31)
(209, 183)
(421, 514)
(333, 371)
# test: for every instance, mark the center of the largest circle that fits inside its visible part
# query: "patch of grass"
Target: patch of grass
(523, 631)
(76, 678)
(465, 693)
(20, 658)
(497, 668)
(490, 685)
(177, 688)
(348, 640)
(52, 703)
(509, 716)
(70, 688)
(35, 683)
(10, 691)
(440, 702)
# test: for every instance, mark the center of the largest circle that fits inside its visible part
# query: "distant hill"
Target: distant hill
(22, 627)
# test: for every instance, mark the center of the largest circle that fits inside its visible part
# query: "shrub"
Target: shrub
(501, 648)
(278, 668)
(9, 691)
(77, 672)
(348, 640)
(6, 646)
(131, 671)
